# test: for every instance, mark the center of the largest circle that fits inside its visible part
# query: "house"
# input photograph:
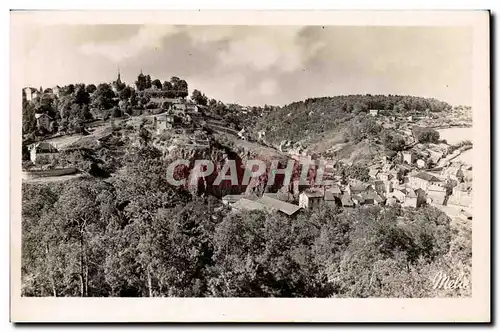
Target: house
(332, 199)
(43, 153)
(437, 197)
(347, 201)
(358, 188)
(409, 118)
(424, 181)
(192, 107)
(408, 157)
(462, 195)
(391, 201)
(43, 121)
(31, 93)
(163, 122)
(399, 194)
(421, 163)
(334, 190)
(411, 198)
(310, 199)
(408, 196)
(373, 112)
(453, 172)
(435, 156)
(231, 199)
(273, 204)
(367, 198)
(179, 108)
(385, 176)
(381, 186)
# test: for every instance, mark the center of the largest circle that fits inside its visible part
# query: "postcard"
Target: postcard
(250, 166)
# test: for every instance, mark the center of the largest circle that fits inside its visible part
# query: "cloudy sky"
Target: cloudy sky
(256, 65)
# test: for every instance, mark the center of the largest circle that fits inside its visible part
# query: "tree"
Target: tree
(426, 135)
(29, 120)
(125, 93)
(393, 142)
(90, 88)
(82, 96)
(199, 98)
(133, 98)
(102, 98)
(68, 89)
(167, 86)
(182, 89)
(156, 83)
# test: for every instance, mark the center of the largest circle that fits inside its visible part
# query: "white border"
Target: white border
(353, 310)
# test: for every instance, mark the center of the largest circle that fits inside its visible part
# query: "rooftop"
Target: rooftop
(427, 177)
(247, 204)
(312, 194)
(284, 207)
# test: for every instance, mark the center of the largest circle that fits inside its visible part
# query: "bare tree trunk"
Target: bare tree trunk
(81, 284)
(150, 287)
(86, 278)
(82, 275)
(54, 290)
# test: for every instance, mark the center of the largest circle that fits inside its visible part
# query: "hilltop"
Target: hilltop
(355, 127)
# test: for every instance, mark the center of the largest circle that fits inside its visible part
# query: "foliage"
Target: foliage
(199, 98)
(393, 142)
(300, 119)
(136, 235)
(102, 98)
(425, 135)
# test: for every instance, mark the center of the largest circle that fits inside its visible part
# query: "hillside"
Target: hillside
(341, 123)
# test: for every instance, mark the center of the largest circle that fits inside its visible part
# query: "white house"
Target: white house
(31, 93)
(408, 157)
(310, 199)
(425, 181)
(43, 153)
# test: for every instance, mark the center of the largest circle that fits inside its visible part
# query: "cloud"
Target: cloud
(259, 48)
(254, 65)
(148, 38)
(268, 87)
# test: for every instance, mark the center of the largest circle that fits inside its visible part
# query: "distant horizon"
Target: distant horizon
(258, 65)
(190, 89)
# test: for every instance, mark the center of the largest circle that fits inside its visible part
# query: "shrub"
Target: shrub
(426, 135)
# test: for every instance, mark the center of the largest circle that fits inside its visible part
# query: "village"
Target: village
(420, 175)
(390, 184)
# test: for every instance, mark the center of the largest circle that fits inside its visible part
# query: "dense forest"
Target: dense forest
(315, 116)
(135, 235)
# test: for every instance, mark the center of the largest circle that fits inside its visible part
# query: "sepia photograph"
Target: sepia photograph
(205, 158)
